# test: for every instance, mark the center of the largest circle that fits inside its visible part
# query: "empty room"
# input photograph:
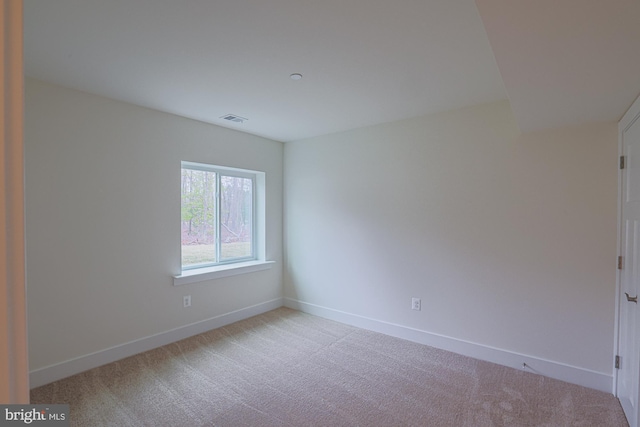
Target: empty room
(357, 212)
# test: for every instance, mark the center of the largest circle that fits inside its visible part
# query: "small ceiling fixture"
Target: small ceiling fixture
(234, 118)
(295, 76)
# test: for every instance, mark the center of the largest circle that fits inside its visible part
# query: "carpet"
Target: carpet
(287, 368)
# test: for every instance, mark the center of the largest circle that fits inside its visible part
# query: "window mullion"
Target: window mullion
(254, 220)
(217, 222)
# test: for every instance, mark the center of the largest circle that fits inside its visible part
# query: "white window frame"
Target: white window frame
(257, 260)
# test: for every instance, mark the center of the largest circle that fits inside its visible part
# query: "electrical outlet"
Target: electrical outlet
(186, 301)
(416, 304)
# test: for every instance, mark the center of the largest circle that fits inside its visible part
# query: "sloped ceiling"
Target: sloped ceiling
(363, 61)
(565, 62)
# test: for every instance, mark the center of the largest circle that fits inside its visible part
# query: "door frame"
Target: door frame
(14, 363)
(627, 120)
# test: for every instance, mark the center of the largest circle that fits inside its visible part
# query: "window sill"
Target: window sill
(211, 273)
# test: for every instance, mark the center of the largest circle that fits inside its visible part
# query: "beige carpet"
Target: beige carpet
(286, 368)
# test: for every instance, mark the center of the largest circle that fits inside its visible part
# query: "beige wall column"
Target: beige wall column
(14, 370)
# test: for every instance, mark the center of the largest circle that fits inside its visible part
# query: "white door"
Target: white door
(628, 376)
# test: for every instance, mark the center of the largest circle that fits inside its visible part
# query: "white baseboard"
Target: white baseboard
(560, 371)
(74, 366)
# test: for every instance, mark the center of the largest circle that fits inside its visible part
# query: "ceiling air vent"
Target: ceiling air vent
(234, 118)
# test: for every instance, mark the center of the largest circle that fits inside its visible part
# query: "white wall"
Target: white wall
(102, 221)
(509, 239)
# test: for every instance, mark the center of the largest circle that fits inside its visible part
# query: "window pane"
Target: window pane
(198, 217)
(236, 210)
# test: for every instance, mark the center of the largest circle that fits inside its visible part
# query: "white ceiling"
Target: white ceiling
(364, 61)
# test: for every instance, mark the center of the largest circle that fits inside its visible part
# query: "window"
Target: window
(218, 215)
